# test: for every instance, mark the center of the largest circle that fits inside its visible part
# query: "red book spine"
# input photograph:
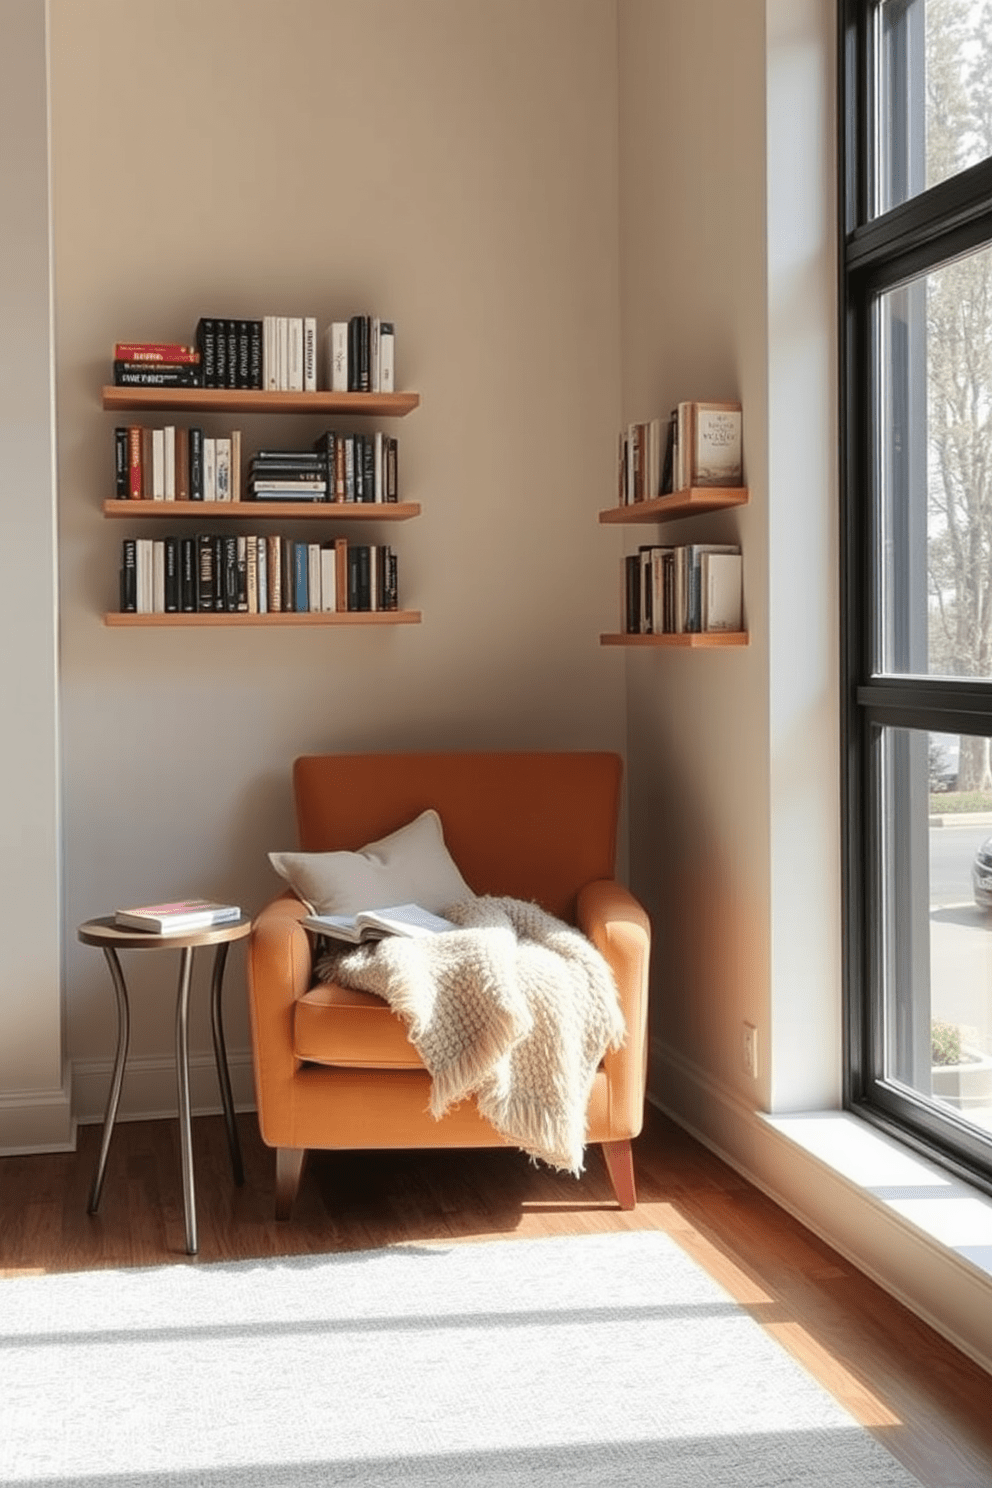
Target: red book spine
(156, 351)
(134, 464)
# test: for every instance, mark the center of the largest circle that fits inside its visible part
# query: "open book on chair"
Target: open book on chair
(374, 924)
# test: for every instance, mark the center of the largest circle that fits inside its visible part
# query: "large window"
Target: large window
(917, 415)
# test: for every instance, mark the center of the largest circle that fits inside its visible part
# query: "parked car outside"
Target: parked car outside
(981, 875)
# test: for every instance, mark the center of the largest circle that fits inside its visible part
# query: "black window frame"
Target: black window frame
(877, 252)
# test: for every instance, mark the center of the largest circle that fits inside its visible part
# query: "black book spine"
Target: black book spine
(171, 575)
(129, 576)
(287, 575)
(196, 464)
(155, 374)
(392, 469)
(241, 571)
(354, 374)
(368, 467)
(205, 586)
(364, 353)
(352, 595)
(254, 353)
(364, 576)
(206, 345)
(231, 332)
(392, 593)
(632, 618)
(220, 354)
(226, 559)
(187, 575)
(120, 464)
(244, 355)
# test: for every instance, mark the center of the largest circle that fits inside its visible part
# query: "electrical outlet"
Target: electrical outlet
(750, 1050)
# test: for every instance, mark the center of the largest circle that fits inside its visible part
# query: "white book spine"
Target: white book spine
(313, 577)
(158, 464)
(387, 356)
(339, 356)
(158, 576)
(282, 352)
(309, 354)
(270, 354)
(169, 462)
(223, 468)
(295, 368)
(263, 576)
(143, 564)
(209, 468)
(380, 468)
(328, 580)
(375, 384)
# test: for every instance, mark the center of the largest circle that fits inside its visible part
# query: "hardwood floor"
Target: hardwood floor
(930, 1406)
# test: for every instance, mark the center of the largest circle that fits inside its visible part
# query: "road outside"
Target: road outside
(960, 939)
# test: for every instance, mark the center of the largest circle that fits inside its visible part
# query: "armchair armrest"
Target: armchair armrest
(280, 971)
(619, 928)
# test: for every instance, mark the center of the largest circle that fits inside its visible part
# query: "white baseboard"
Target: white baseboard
(37, 1121)
(922, 1235)
(149, 1089)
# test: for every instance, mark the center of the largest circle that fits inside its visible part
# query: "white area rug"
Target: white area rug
(600, 1361)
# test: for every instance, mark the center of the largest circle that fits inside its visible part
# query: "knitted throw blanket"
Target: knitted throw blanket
(515, 1008)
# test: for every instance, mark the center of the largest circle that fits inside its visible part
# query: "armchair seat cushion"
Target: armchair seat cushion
(351, 1029)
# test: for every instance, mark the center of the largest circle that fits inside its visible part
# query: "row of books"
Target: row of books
(692, 587)
(176, 464)
(278, 353)
(340, 467)
(179, 464)
(699, 444)
(236, 573)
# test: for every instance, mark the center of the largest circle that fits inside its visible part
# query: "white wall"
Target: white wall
(452, 164)
(34, 1103)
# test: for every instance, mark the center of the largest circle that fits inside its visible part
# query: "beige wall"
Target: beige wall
(728, 291)
(694, 326)
(453, 164)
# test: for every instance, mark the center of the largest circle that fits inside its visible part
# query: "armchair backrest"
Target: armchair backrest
(529, 825)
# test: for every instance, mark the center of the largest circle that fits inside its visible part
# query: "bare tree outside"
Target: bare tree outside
(959, 370)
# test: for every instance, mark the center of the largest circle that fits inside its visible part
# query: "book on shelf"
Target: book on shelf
(177, 917)
(707, 445)
(156, 374)
(410, 920)
(247, 573)
(173, 352)
(641, 458)
(280, 353)
(721, 588)
(336, 356)
(690, 588)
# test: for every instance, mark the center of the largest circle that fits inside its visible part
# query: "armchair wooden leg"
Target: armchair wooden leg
(620, 1166)
(289, 1170)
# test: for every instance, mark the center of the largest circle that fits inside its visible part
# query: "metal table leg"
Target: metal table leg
(120, 1058)
(182, 1081)
(220, 1059)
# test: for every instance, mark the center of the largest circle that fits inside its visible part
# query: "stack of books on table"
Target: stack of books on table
(178, 917)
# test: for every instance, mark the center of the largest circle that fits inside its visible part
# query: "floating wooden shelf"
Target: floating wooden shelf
(247, 400)
(687, 503)
(247, 511)
(703, 640)
(279, 617)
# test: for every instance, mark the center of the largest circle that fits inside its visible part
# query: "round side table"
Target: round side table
(111, 938)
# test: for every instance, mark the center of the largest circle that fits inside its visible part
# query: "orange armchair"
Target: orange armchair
(333, 1067)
